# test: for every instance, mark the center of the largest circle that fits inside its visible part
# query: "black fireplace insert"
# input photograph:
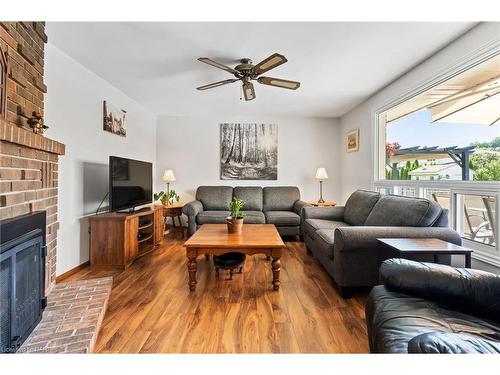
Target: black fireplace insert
(22, 278)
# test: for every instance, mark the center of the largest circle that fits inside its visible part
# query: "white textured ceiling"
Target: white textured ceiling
(339, 64)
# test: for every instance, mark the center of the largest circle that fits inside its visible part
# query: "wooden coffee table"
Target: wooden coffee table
(432, 246)
(254, 239)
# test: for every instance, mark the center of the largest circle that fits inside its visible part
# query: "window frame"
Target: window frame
(481, 252)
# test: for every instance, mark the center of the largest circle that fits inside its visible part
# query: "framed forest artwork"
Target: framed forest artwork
(248, 151)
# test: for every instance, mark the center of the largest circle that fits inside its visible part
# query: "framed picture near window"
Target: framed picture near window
(352, 140)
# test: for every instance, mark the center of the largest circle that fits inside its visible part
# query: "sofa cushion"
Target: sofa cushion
(280, 198)
(254, 217)
(282, 218)
(252, 195)
(212, 217)
(312, 225)
(214, 197)
(399, 211)
(396, 318)
(359, 205)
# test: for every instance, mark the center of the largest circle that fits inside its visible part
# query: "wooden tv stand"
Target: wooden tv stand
(117, 239)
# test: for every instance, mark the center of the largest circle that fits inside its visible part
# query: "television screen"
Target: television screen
(130, 183)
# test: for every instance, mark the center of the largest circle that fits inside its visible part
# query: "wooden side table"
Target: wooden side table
(324, 204)
(173, 212)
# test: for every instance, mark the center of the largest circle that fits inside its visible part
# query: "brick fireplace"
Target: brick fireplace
(28, 161)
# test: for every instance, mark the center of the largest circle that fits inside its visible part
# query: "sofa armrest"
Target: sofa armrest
(472, 291)
(192, 208)
(335, 213)
(299, 205)
(352, 238)
(451, 343)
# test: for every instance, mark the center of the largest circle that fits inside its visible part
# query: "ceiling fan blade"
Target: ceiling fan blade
(270, 63)
(248, 91)
(217, 84)
(208, 61)
(277, 82)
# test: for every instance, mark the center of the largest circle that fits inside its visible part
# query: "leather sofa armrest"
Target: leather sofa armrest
(299, 205)
(192, 208)
(472, 291)
(335, 213)
(352, 238)
(451, 343)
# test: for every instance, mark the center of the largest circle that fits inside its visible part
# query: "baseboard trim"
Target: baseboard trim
(71, 272)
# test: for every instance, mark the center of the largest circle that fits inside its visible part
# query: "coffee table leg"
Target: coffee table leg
(276, 267)
(468, 261)
(192, 268)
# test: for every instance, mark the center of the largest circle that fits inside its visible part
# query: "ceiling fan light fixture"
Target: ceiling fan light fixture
(248, 91)
(247, 72)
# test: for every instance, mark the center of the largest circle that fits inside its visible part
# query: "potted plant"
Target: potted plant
(167, 199)
(235, 220)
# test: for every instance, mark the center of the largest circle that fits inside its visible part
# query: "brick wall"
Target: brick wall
(24, 44)
(28, 161)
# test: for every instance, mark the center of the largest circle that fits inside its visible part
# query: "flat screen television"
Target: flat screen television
(130, 183)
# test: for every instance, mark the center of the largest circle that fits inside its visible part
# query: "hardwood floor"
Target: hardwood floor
(152, 311)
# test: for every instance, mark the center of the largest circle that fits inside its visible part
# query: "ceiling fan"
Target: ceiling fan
(247, 72)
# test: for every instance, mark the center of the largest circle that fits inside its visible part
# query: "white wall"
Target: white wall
(357, 167)
(74, 113)
(191, 147)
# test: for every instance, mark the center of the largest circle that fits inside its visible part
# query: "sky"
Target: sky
(417, 130)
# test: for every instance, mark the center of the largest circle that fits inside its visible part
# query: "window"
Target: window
(449, 132)
(443, 144)
(3, 83)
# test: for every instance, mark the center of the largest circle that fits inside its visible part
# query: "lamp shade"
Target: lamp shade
(321, 174)
(168, 176)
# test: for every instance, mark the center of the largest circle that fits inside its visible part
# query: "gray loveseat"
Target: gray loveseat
(344, 239)
(278, 205)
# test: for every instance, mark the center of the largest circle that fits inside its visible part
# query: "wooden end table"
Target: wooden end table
(427, 246)
(323, 204)
(174, 211)
(254, 239)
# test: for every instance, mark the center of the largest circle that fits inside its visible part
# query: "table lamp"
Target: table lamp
(321, 176)
(168, 177)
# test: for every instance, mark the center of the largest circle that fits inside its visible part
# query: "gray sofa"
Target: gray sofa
(344, 239)
(278, 205)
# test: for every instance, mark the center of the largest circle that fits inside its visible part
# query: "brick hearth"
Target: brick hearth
(72, 318)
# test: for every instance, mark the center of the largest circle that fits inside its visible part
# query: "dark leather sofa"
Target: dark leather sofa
(433, 308)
